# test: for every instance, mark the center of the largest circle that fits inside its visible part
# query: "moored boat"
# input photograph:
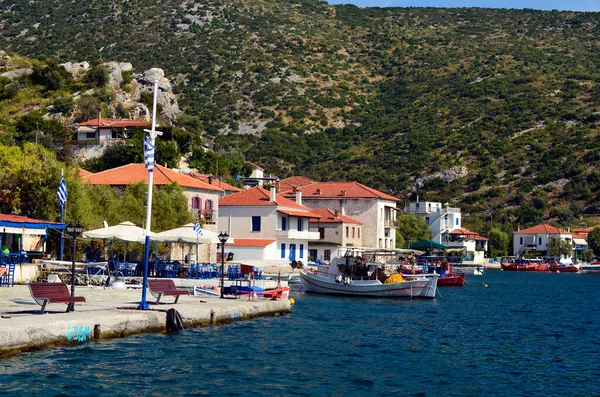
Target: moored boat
(590, 267)
(351, 275)
(554, 266)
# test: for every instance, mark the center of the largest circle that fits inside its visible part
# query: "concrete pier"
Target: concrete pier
(111, 313)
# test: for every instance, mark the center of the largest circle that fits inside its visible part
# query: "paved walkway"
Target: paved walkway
(110, 313)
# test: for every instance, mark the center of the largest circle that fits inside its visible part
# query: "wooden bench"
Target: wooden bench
(165, 287)
(44, 293)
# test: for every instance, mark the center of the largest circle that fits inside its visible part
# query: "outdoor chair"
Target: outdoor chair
(8, 279)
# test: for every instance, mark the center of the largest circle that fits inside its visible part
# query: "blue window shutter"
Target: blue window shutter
(256, 223)
(283, 250)
(301, 250)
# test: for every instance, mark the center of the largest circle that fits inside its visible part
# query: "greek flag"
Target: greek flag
(62, 192)
(148, 153)
(197, 228)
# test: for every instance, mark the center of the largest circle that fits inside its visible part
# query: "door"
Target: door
(292, 252)
(312, 255)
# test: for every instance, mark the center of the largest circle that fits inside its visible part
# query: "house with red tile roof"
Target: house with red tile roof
(217, 182)
(288, 184)
(537, 238)
(337, 233)
(441, 219)
(202, 198)
(376, 210)
(266, 226)
(467, 242)
(108, 130)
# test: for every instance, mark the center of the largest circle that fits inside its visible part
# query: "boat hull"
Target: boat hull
(423, 288)
(457, 280)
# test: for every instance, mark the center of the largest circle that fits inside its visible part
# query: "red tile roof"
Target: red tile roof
(134, 173)
(113, 123)
(82, 172)
(467, 233)
(288, 184)
(23, 219)
(298, 213)
(584, 230)
(330, 216)
(339, 189)
(255, 166)
(258, 196)
(543, 229)
(215, 182)
(250, 242)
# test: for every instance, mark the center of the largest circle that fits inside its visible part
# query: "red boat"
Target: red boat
(557, 267)
(522, 265)
(454, 279)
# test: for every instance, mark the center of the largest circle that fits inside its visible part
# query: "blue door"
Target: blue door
(292, 252)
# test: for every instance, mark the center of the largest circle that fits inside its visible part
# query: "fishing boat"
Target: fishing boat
(353, 275)
(447, 275)
(558, 267)
(590, 267)
(510, 263)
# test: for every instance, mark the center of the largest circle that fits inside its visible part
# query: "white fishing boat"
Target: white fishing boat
(590, 267)
(352, 275)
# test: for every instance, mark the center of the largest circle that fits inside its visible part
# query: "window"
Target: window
(321, 233)
(284, 223)
(256, 223)
(456, 221)
(540, 243)
(196, 203)
(353, 230)
(299, 224)
(283, 250)
(327, 255)
(301, 250)
(209, 205)
(347, 231)
(359, 232)
(521, 240)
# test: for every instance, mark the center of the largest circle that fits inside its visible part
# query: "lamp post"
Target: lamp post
(74, 231)
(223, 237)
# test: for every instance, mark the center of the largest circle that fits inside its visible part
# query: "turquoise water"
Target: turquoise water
(525, 334)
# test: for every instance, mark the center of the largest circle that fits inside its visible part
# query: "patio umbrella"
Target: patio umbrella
(186, 234)
(124, 231)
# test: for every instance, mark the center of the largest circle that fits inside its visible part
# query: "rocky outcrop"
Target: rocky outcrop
(17, 73)
(77, 69)
(115, 72)
(165, 96)
(447, 176)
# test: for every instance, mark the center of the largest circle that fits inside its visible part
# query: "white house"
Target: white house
(440, 218)
(266, 226)
(108, 130)
(376, 210)
(537, 238)
(337, 233)
(469, 243)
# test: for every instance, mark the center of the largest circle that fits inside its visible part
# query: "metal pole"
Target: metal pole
(62, 232)
(153, 133)
(222, 268)
(71, 307)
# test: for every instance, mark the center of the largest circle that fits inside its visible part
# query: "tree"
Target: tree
(558, 247)
(97, 75)
(498, 242)
(411, 229)
(594, 240)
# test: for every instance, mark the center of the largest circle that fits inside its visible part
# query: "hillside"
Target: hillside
(495, 111)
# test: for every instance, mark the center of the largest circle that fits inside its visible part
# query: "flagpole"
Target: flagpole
(62, 218)
(153, 133)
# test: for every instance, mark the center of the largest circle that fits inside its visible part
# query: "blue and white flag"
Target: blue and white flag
(197, 228)
(148, 153)
(62, 192)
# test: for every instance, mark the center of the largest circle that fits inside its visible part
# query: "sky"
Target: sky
(565, 5)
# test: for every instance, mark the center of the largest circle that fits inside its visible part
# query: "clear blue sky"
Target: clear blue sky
(571, 5)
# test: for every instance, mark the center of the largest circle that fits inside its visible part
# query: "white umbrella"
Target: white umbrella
(124, 231)
(186, 234)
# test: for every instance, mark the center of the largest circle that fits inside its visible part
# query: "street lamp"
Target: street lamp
(74, 231)
(223, 237)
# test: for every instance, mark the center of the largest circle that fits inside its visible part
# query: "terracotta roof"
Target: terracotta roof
(339, 189)
(288, 184)
(110, 123)
(586, 230)
(463, 231)
(82, 172)
(215, 182)
(134, 173)
(329, 216)
(258, 196)
(298, 213)
(543, 229)
(250, 242)
(23, 219)
(581, 236)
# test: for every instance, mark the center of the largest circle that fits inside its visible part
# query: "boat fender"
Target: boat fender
(174, 321)
(338, 278)
(292, 301)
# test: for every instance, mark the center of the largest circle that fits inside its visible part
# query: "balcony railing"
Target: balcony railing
(391, 223)
(304, 234)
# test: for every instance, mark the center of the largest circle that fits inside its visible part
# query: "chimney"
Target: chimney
(336, 213)
(210, 179)
(318, 191)
(299, 197)
(294, 189)
(273, 197)
(343, 193)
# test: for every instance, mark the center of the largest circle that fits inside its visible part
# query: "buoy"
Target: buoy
(558, 271)
(292, 301)
(485, 284)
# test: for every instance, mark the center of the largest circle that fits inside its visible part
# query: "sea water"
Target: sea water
(505, 334)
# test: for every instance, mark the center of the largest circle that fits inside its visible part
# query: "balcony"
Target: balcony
(295, 234)
(391, 223)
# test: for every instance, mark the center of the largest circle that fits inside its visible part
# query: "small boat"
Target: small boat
(510, 263)
(590, 267)
(563, 268)
(352, 275)
(453, 279)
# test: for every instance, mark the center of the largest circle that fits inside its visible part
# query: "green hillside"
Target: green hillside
(507, 99)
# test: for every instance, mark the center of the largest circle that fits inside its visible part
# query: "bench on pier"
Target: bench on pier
(44, 293)
(158, 288)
